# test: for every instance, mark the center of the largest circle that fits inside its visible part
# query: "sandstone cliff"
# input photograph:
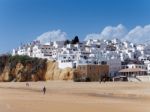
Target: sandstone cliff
(23, 68)
(54, 73)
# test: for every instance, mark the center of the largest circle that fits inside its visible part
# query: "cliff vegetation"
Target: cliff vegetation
(24, 68)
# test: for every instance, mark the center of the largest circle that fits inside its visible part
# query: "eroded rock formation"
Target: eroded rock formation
(31, 69)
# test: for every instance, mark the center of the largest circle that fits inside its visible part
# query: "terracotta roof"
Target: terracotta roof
(133, 70)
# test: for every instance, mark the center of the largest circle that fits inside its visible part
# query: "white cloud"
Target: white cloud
(109, 32)
(55, 35)
(93, 36)
(137, 35)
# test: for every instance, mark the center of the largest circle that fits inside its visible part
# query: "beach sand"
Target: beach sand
(68, 96)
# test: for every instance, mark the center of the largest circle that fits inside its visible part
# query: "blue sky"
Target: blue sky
(22, 21)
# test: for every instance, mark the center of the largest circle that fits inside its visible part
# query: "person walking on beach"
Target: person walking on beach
(44, 90)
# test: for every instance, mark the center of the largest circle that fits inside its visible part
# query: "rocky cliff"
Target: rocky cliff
(23, 68)
(54, 73)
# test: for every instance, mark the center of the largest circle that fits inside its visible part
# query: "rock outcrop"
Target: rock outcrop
(54, 73)
(32, 69)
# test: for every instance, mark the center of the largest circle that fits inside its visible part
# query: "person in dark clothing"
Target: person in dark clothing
(44, 90)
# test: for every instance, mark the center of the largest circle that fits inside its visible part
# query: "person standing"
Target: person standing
(44, 90)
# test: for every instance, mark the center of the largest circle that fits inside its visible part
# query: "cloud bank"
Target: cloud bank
(138, 34)
(55, 35)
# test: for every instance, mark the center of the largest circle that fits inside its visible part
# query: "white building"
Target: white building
(147, 64)
(67, 60)
(42, 51)
(130, 66)
(58, 44)
(90, 51)
(114, 66)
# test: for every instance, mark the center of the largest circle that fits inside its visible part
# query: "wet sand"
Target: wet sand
(68, 96)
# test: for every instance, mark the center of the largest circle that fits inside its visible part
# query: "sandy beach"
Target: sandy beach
(68, 96)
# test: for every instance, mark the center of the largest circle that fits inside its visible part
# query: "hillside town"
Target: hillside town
(95, 57)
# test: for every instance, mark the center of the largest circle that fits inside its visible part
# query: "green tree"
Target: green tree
(67, 42)
(75, 40)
